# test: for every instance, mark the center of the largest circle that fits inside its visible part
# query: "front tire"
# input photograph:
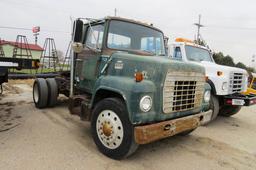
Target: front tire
(228, 111)
(112, 130)
(40, 93)
(215, 107)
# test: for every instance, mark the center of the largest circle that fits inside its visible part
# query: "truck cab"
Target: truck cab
(227, 83)
(122, 81)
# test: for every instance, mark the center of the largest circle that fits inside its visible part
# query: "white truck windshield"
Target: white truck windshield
(130, 36)
(197, 54)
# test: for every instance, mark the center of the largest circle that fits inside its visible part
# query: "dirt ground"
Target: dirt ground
(54, 139)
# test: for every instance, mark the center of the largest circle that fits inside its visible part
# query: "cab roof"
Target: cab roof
(191, 44)
(94, 21)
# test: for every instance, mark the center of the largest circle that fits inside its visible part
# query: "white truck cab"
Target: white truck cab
(227, 82)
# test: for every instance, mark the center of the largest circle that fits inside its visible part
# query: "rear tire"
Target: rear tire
(112, 130)
(228, 111)
(40, 93)
(52, 92)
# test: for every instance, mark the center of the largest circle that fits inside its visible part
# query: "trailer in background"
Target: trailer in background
(15, 63)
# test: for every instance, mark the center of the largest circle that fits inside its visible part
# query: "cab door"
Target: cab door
(87, 68)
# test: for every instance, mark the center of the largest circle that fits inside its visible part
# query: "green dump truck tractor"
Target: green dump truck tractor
(122, 81)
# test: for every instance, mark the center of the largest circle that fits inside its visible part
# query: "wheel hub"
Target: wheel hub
(109, 129)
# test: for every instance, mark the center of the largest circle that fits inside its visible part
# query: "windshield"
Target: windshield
(197, 54)
(129, 36)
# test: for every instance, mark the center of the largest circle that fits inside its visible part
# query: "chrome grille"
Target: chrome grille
(236, 82)
(182, 91)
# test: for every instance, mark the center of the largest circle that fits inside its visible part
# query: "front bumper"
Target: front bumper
(240, 100)
(148, 133)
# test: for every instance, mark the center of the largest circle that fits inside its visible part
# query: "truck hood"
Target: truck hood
(154, 68)
(211, 67)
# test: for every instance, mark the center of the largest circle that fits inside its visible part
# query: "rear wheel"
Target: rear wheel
(228, 111)
(52, 91)
(112, 130)
(40, 93)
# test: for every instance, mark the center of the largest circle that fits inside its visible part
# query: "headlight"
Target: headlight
(225, 86)
(145, 103)
(207, 96)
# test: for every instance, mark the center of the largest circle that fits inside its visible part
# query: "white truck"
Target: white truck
(227, 83)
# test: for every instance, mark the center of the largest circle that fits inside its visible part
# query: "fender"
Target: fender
(212, 86)
(126, 87)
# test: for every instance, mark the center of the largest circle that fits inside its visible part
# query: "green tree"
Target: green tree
(241, 65)
(228, 61)
(218, 57)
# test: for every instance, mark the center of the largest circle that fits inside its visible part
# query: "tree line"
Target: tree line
(227, 60)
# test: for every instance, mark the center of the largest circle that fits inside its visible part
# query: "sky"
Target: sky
(229, 26)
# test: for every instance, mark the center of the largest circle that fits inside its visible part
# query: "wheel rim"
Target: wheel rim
(36, 93)
(109, 129)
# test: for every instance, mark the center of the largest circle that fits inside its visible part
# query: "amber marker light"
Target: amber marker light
(183, 40)
(138, 76)
(219, 73)
(206, 78)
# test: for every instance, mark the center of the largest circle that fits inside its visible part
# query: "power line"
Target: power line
(30, 29)
(15, 28)
(231, 27)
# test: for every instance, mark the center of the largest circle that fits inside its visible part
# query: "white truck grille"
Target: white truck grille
(182, 91)
(236, 82)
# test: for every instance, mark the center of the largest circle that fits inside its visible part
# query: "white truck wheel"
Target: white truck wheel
(112, 130)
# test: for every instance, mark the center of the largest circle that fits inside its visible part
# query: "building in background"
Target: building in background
(8, 47)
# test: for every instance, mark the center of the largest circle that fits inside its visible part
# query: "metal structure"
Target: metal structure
(1, 50)
(21, 48)
(199, 25)
(67, 59)
(49, 57)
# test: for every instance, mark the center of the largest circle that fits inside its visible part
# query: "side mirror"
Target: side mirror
(77, 47)
(78, 30)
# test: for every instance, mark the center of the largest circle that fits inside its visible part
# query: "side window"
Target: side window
(177, 53)
(118, 41)
(94, 36)
(152, 44)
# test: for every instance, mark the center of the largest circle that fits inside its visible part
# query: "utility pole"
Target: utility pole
(199, 25)
(115, 12)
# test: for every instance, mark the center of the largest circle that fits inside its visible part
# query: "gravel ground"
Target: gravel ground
(53, 139)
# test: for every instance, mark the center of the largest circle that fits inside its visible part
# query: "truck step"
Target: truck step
(79, 105)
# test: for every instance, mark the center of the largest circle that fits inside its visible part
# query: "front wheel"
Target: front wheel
(112, 130)
(215, 107)
(228, 111)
